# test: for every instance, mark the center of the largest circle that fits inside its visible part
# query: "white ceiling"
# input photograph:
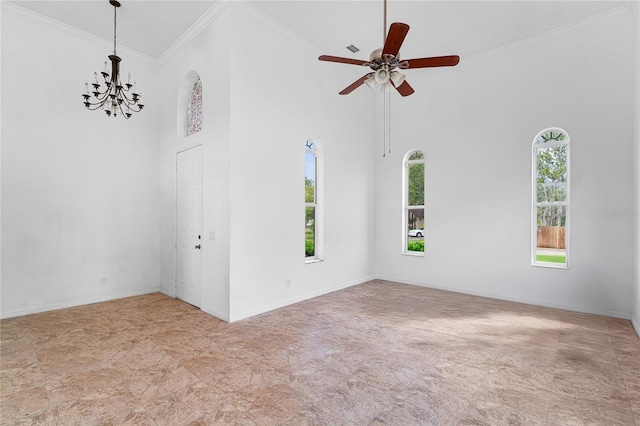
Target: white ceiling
(449, 27)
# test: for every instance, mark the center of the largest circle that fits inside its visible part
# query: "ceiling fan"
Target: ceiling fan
(384, 62)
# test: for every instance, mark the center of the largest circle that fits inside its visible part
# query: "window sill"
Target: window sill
(413, 253)
(550, 265)
(312, 260)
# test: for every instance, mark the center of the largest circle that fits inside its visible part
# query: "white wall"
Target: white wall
(86, 197)
(258, 113)
(475, 124)
(79, 198)
(279, 98)
(208, 56)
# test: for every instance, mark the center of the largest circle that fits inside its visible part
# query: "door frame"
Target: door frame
(176, 219)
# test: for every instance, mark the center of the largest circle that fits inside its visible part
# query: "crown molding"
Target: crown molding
(41, 19)
(212, 14)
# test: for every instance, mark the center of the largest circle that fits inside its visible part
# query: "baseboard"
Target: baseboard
(75, 303)
(297, 299)
(214, 313)
(168, 292)
(579, 309)
(636, 324)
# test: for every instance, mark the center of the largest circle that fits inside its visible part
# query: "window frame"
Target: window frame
(312, 146)
(535, 146)
(406, 208)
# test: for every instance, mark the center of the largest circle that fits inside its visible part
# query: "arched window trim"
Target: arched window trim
(550, 143)
(406, 162)
(314, 147)
(194, 124)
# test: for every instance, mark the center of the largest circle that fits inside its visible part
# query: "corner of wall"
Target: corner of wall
(635, 314)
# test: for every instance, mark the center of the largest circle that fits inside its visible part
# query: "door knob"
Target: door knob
(198, 246)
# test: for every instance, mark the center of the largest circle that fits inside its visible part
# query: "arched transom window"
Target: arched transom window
(194, 112)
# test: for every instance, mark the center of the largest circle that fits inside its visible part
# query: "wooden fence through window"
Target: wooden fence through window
(551, 237)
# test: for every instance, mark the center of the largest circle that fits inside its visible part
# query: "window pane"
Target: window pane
(553, 135)
(416, 184)
(310, 145)
(310, 178)
(194, 113)
(416, 156)
(415, 230)
(310, 231)
(551, 237)
(551, 174)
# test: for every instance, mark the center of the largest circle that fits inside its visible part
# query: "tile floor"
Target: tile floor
(377, 353)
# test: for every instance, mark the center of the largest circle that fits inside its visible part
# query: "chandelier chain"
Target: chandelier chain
(115, 9)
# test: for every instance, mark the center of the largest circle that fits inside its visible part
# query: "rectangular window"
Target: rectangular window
(414, 229)
(310, 201)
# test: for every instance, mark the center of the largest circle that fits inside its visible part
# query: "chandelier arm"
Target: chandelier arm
(100, 100)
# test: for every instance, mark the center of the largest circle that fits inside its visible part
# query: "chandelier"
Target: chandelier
(113, 98)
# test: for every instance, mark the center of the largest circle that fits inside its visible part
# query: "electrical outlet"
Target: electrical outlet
(287, 282)
(103, 280)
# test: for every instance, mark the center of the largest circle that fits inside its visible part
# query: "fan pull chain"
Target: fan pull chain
(389, 108)
(384, 125)
(386, 129)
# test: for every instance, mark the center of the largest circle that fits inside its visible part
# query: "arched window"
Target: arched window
(312, 203)
(413, 203)
(550, 194)
(194, 112)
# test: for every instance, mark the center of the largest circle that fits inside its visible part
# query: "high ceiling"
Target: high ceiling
(465, 28)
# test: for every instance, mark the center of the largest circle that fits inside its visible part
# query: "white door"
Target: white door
(189, 226)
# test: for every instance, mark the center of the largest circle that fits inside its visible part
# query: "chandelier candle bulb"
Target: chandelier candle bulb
(106, 69)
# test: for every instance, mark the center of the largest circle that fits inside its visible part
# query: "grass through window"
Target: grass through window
(551, 258)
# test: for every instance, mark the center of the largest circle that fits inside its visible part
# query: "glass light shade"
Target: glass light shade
(397, 78)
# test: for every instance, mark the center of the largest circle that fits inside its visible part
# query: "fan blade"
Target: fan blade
(397, 32)
(353, 86)
(404, 89)
(436, 61)
(342, 60)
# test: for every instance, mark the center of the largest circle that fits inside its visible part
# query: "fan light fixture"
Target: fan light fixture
(113, 98)
(382, 75)
(381, 78)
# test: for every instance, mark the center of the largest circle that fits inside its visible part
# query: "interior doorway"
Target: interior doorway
(189, 239)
